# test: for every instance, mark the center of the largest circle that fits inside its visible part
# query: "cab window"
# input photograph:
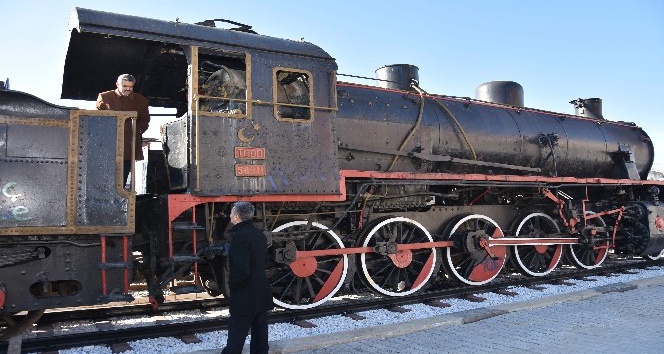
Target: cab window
(293, 95)
(221, 84)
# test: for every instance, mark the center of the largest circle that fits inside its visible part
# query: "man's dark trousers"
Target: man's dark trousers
(239, 326)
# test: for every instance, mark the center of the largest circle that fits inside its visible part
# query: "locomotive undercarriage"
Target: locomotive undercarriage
(396, 238)
(49, 271)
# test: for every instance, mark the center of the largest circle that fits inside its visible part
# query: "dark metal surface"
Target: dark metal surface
(21, 105)
(34, 193)
(589, 107)
(438, 217)
(641, 232)
(75, 260)
(98, 200)
(397, 76)
(370, 119)
(503, 92)
(300, 158)
(34, 139)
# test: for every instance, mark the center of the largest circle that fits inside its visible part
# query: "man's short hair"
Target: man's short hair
(244, 210)
(126, 77)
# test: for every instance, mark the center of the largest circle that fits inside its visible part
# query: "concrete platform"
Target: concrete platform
(622, 317)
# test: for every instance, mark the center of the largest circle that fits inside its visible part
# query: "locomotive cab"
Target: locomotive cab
(239, 103)
(244, 101)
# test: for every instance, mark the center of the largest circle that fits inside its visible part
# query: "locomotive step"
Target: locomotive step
(115, 298)
(115, 265)
(185, 259)
(186, 226)
(189, 289)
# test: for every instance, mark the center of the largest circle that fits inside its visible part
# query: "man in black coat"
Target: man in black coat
(250, 294)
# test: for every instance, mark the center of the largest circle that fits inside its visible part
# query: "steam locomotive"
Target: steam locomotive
(386, 188)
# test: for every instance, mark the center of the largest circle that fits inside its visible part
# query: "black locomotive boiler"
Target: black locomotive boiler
(386, 188)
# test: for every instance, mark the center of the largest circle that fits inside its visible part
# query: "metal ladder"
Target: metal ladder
(184, 260)
(105, 267)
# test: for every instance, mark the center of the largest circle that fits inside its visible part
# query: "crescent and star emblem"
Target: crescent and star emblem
(242, 134)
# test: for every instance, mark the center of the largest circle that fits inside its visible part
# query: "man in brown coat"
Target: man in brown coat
(123, 98)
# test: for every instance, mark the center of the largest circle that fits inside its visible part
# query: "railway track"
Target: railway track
(106, 312)
(186, 330)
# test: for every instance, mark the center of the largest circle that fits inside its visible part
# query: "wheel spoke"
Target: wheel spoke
(314, 240)
(387, 277)
(386, 268)
(310, 287)
(591, 256)
(408, 236)
(278, 280)
(286, 289)
(318, 279)
(297, 294)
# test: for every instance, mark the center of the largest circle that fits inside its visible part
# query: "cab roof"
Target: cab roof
(103, 45)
